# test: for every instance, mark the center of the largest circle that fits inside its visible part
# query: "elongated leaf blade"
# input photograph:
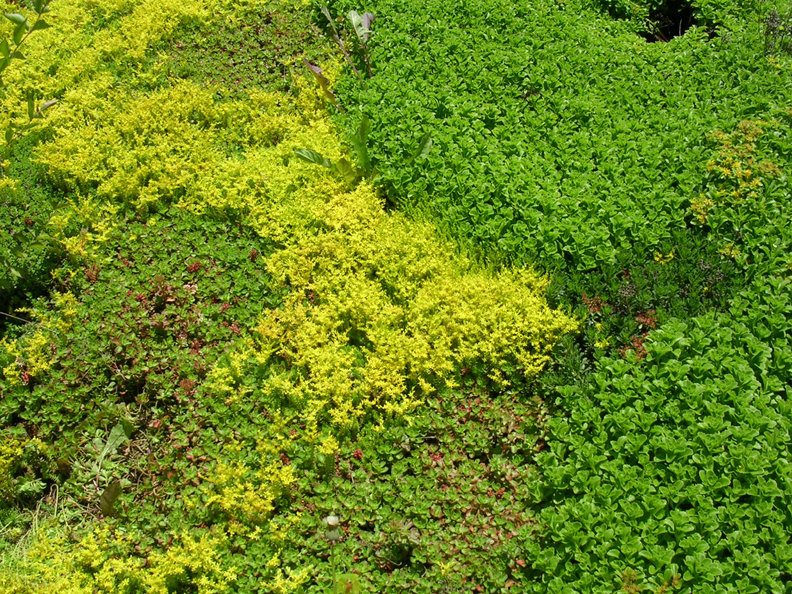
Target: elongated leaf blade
(117, 437)
(318, 73)
(16, 18)
(47, 104)
(360, 144)
(357, 23)
(364, 129)
(361, 24)
(424, 147)
(368, 19)
(312, 156)
(326, 12)
(109, 497)
(19, 32)
(129, 428)
(5, 50)
(40, 25)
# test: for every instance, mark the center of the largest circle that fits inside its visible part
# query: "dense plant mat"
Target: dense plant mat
(652, 178)
(233, 365)
(560, 137)
(226, 325)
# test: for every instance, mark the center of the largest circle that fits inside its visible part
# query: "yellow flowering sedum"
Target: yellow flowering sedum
(93, 566)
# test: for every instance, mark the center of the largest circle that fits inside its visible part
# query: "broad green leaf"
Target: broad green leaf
(115, 439)
(361, 24)
(5, 50)
(41, 25)
(423, 148)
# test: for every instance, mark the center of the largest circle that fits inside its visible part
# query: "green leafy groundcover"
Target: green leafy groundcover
(560, 137)
(676, 470)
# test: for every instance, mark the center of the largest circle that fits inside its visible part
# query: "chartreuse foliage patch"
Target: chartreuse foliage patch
(226, 319)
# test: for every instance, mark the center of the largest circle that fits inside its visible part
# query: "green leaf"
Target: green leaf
(129, 428)
(347, 583)
(109, 497)
(16, 18)
(47, 104)
(359, 143)
(361, 24)
(19, 32)
(31, 104)
(117, 436)
(312, 156)
(5, 50)
(423, 148)
(40, 25)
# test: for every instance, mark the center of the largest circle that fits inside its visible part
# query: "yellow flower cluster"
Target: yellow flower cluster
(739, 171)
(96, 564)
(30, 355)
(246, 493)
